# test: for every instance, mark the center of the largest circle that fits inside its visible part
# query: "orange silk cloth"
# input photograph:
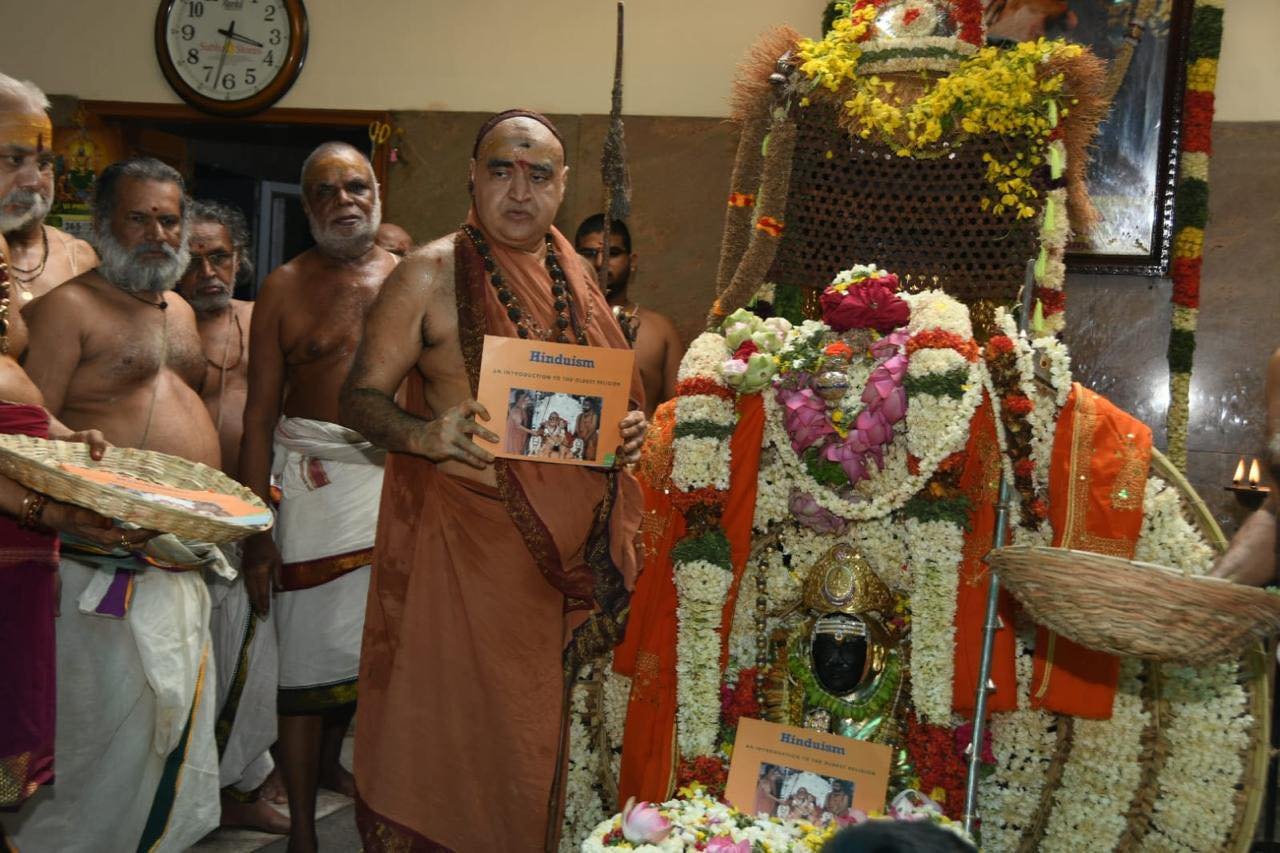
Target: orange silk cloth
(648, 654)
(980, 483)
(1097, 485)
(480, 599)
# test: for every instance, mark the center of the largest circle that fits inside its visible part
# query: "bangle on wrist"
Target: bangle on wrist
(32, 509)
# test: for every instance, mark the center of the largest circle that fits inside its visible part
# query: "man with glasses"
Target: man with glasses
(657, 343)
(244, 645)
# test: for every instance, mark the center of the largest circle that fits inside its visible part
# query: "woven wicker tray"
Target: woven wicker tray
(43, 466)
(1136, 609)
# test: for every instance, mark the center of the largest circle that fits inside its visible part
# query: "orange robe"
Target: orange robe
(482, 601)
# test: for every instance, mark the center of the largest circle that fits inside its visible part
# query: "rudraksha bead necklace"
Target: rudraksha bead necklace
(526, 327)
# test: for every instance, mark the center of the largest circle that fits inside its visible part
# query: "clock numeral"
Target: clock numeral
(193, 56)
(188, 32)
(228, 81)
(271, 14)
(250, 76)
(271, 58)
(195, 8)
(275, 36)
(208, 72)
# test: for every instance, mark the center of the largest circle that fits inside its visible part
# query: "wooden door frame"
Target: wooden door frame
(117, 110)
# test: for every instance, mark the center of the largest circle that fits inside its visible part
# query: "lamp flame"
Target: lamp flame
(1239, 475)
(1255, 473)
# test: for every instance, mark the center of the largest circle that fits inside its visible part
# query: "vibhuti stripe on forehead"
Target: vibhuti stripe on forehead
(26, 130)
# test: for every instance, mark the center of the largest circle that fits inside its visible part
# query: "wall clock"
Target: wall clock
(231, 57)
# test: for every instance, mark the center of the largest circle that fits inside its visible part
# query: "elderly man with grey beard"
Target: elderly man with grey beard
(244, 645)
(116, 349)
(306, 325)
(40, 256)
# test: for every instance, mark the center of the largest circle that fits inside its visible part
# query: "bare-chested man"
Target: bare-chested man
(658, 345)
(244, 645)
(305, 329)
(116, 349)
(493, 577)
(40, 256)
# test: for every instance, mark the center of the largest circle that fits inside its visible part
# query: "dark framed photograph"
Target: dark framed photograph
(1135, 158)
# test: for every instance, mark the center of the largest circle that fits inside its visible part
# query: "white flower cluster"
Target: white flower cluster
(1206, 731)
(1023, 742)
(1102, 774)
(934, 309)
(936, 549)
(701, 588)
(703, 358)
(857, 272)
(584, 805)
(1167, 538)
(698, 819)
(773, 491)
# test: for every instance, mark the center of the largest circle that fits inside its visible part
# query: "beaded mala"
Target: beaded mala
(565, 321)
(4, 305)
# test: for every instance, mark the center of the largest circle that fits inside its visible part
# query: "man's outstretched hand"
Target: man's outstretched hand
(449, 437)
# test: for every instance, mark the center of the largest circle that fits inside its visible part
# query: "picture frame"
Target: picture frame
(1134, 165)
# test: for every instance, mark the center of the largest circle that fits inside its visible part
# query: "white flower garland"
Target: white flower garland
(1091, 805)
(584, 805)
(701, 588)
(1023, 742)
(935, 548)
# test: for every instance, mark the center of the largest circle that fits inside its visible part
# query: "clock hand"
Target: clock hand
(235, 35)
(217, 75)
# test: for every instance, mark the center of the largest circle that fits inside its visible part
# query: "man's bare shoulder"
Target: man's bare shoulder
(293, 272)
(428, 268)
(657, 321)
(242, 307)
(80, 249)
(69, 301)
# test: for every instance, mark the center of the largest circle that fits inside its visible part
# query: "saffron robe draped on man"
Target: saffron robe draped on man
(482, 601)
(135, 753)
(330, 482)
(28, 562)
(244, 647)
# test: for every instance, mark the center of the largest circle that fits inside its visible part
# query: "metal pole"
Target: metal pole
(992, 622)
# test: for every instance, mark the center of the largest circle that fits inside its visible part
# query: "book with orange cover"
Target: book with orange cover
(803, 774)
(551, 402)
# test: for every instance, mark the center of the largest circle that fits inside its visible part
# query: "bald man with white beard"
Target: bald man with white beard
(306, 325)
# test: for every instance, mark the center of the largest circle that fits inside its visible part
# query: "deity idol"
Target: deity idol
(822, 493)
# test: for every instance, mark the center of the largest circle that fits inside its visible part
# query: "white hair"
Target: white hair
(21, 96)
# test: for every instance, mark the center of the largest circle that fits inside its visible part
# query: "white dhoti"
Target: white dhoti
(244, 647)
(137, 765)
(330, 483)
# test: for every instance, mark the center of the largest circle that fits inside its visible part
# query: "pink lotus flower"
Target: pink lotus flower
(724, 844)
(805, 417)
(642, 823)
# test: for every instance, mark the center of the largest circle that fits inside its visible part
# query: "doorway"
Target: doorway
(251, 163)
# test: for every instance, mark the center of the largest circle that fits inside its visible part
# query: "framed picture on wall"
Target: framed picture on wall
(1134, 165)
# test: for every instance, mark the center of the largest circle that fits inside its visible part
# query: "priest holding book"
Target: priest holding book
(495, 580)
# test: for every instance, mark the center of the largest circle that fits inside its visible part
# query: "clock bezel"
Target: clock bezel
(290, 65)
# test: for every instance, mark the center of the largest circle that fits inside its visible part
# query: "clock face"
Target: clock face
(221, 55)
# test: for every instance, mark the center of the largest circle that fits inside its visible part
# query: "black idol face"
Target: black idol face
(840, 656)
